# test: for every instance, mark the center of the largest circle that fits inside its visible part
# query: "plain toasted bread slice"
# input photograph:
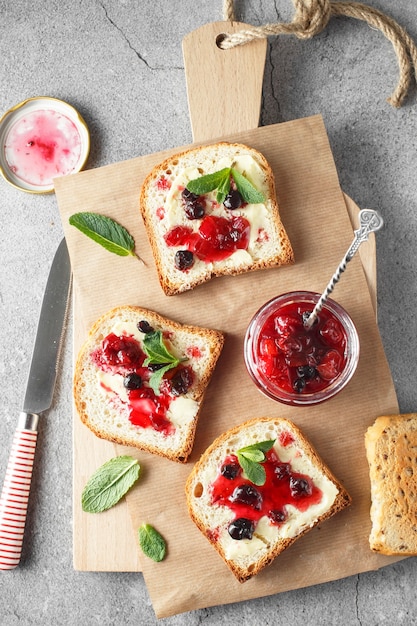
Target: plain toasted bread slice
(391, 449)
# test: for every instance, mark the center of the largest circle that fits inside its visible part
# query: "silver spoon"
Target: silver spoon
(369, 222)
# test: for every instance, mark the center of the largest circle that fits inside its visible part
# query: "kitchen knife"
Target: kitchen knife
(39, 391)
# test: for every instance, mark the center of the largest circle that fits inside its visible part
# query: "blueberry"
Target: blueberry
(277, 515)
(144, 327)
(282, 470)
(132, 381)
(299, 384)
(181, 381)
(247, 494)
(300, 487)
(194, 210)
(233, 200)
(184, 259)
(154, 367)
(188, 195)
(241, 528)
(194, 205)
(230, 470)
(306, 371)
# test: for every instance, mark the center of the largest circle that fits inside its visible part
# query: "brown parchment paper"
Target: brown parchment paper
(314, 213)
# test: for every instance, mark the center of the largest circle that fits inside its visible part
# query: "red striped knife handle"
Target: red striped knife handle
(15, 494)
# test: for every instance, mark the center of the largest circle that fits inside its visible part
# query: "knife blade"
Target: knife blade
(38, 398)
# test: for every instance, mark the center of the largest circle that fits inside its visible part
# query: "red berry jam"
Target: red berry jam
(194, 352)
(123, 355)
(295, 364)
(215, 240)
(250, 502)
(160, 212)
(163, 183)
(119, 355)
(41, 145)
(299, 358)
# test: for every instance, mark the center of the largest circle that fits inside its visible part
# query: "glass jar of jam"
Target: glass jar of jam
(294, 364)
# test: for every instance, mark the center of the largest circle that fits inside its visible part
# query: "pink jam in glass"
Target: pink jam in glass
(295, 364)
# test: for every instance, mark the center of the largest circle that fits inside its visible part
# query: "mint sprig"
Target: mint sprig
(109, 484)
(248, 192)
(151, 542)
(209, 182)
(221, 181)
(158, 354)
(250, 459)
(105, 231)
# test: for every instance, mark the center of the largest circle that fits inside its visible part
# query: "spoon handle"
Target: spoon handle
(369, 222)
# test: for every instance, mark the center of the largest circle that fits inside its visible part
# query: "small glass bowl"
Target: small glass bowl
(260, 348)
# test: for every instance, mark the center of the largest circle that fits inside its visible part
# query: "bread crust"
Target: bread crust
(391, 445)
(239, 436)
(175, 281)
(89, 408)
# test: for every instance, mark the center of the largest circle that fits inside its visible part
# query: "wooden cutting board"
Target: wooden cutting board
(220, 104)
(307, 191)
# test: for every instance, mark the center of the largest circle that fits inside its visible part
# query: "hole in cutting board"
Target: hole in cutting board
(219, 40)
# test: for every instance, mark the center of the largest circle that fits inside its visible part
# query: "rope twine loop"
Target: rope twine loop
(311, 18)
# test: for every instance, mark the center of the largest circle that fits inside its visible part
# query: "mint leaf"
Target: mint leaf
(263, 446)
(248, 192)
(151, 542)
(250, 459)
(156, 378)
(208, 182)
(223, 189)
(255, 472)
(158, 354)
(156, 350)
(221, 181)
(104, 231)
(109, 484)
(256, 456)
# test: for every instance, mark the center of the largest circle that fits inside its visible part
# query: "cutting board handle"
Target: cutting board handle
(224, 87)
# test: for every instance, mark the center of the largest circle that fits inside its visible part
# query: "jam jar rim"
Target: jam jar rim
(37, 103)
(307, 399)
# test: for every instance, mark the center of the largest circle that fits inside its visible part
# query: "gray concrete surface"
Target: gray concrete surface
(120, 63)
